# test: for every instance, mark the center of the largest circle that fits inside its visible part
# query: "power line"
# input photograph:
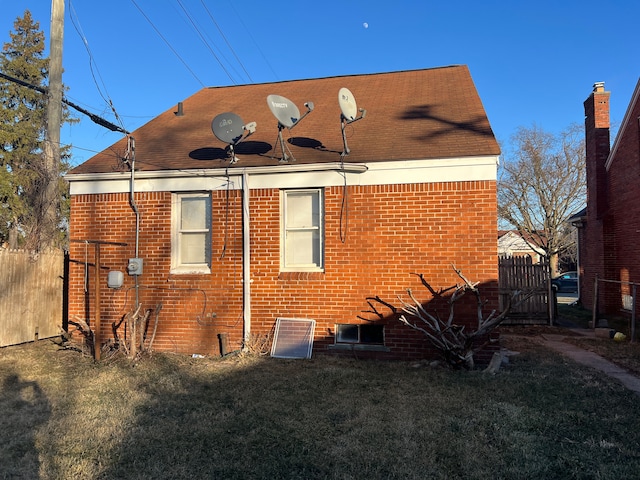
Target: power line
(226, 41)
(195, 27)
(106, 98)
(95, 118)
(168, 44)
(254, 41)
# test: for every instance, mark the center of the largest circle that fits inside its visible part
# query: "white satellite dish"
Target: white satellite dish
(288, 116)
(284, 110)
(229, 128)
(347, 104)
(349, 114)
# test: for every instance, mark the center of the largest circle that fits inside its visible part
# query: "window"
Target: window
(363, 334)
(191, 233)
(302, 230)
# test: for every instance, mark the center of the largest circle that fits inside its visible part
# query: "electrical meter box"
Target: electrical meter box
(135, 266)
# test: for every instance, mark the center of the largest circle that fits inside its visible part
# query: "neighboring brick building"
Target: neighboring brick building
(315, 235)
(609, 228)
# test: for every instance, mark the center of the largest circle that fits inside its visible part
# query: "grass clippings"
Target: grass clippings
(256, 417)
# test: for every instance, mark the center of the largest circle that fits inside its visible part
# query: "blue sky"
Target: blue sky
(533, 63)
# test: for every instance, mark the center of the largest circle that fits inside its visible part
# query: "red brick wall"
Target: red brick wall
(388, 233)
(608, 242)
(624, 200)
(592, 252)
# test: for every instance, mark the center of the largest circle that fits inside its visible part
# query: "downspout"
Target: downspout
(246, 261)
(134, 206)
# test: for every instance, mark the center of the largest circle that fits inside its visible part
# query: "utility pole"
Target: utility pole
(51, 151)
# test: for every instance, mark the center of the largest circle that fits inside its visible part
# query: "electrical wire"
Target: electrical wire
(167, 43)
(92, 64)
(197, 30)
(226, 41)
(254, 41)
(344, 205)
(226, 216)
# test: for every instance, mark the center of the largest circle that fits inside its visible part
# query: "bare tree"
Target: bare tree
(456, 343)
(541, 184)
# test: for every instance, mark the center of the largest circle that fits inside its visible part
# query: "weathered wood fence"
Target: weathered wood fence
(520, 273)
(31, 295)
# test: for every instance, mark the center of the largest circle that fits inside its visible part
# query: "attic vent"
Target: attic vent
(293, 338)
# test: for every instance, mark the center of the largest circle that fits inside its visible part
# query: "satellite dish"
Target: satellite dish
(229, 128)
(347, 103)
(349, 111)
(284, 110)
(288, 116)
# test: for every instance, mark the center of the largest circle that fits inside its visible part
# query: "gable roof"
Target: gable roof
(533, 239)
(418, 114)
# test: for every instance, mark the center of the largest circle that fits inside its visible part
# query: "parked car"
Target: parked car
(566, 282)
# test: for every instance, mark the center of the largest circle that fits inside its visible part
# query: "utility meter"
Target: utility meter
(135, 266)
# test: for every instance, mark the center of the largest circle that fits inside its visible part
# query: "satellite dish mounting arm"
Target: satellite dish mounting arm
(249, 127)
(344, 121)
(310, 107)
(285, 157)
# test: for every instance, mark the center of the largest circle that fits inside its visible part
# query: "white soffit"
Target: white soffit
(294, 176)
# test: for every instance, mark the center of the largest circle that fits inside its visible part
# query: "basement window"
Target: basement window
(365, 334)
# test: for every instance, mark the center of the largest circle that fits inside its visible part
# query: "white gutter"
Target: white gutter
(246, 261)
(224, 172)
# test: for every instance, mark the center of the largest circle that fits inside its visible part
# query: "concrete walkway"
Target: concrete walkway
(590, 359)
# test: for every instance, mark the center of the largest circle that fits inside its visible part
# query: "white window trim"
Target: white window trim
(283, 229)
(176, 266)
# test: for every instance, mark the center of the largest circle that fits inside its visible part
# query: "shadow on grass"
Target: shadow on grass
(24, 409)
(175, 417)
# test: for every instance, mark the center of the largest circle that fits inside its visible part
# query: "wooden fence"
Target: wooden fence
(31, 295)
(520, 273)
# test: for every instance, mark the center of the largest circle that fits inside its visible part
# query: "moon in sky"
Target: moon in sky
(365, 25)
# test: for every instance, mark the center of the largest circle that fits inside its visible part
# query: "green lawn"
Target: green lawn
(246, 417)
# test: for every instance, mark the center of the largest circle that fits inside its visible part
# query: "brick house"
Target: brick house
(609, 226)
(314, 234)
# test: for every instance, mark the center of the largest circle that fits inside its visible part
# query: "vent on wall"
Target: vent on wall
(293, 338)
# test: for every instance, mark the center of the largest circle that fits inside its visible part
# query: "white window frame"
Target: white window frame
(177, 266)
(286, 266)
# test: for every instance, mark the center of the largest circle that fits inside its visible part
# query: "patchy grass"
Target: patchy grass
(624, 354)
(581, 317)
(174, 417)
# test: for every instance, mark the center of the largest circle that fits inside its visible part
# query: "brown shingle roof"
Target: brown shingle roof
(417, 114)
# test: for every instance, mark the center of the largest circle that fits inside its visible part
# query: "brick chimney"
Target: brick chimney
(596, 124)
